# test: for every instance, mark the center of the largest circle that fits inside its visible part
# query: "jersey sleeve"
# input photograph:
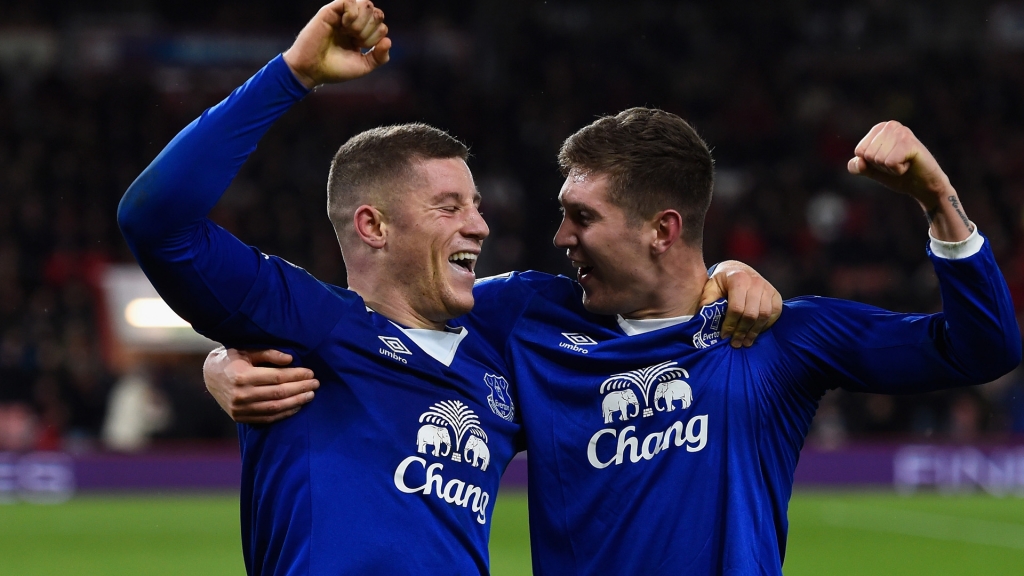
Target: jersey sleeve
(205, 274)
(828, 343)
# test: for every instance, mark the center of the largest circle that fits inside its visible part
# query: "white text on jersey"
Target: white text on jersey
(695, 438)
(454, 492)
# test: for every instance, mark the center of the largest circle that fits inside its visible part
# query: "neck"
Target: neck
(387, 299)
(677, 284)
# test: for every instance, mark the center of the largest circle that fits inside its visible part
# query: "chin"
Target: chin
(597, 306)
(460, 305)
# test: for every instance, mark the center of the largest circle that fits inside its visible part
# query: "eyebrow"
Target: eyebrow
(456, 196)
(574, 205)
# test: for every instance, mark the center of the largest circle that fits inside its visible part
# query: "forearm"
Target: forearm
(185, 181)
(946, 217)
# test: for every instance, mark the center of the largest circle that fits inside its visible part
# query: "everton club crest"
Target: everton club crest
(711, 332)
(499, 399)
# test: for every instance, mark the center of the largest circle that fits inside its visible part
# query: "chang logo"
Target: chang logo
(444, 427)
(499, 400)
(620, 391)
(457, 417)
(621, 402)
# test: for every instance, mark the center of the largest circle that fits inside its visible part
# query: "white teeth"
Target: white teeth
(462, 256)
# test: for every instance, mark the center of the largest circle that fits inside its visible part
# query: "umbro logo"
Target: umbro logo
(576, 340)
(579, 339)
(394, 345)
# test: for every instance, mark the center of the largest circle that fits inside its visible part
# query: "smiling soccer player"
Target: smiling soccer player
(395, 468)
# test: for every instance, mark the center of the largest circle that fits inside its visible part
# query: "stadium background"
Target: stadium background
(91, 91)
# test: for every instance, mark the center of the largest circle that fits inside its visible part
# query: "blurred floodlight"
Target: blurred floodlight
(1006, 24)
(141, 319)
(731, 184)
(152, 313)
(826, 214)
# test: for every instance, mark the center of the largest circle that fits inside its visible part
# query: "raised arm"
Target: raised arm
(203, 272)
(975, 339)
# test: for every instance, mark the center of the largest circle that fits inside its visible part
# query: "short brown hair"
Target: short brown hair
(655, 161)
(371, 164)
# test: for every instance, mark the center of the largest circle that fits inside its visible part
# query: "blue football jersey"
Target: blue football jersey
(670, 452)
(395, 467)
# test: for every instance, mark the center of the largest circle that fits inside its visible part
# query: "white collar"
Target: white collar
(440, 345)
(635, 327)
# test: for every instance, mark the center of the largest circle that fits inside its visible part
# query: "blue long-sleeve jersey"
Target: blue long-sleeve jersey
(670, 452)
(663, 453)
(395, 467)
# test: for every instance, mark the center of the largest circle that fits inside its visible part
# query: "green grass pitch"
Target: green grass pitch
(836, 533)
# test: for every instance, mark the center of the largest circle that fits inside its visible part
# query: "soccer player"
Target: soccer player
(655, 448)
(650, 456)
(395, 467)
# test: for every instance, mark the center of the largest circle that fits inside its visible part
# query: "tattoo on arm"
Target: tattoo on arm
(959, 212)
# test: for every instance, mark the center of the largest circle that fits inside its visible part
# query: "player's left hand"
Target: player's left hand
(754, 304)
(892, 155)
(251, 394)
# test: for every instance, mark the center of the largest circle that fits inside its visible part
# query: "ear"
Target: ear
(370, 226)
(667, 226)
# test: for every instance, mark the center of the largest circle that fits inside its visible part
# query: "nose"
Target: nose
(475, 227)
(565, 237)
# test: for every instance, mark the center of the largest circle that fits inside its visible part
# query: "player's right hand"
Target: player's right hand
(254, 395)
(330, 47)
(753, 303)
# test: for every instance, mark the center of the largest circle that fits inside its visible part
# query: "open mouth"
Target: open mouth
(581, 269)
(464, 260)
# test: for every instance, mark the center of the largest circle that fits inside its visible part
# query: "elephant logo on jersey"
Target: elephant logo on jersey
(499, 399)
(460, 420)
(435, 436)
(711, 332)
(445, 426)
(620, 391)
(481, 454)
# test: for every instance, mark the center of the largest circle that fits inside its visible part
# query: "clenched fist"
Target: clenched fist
(331, 46)
(892, 155)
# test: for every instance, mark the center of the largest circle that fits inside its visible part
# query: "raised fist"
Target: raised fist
(893, 156)
(330, 47)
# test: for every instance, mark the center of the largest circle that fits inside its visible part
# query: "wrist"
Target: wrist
(305, 79)
(947, 220)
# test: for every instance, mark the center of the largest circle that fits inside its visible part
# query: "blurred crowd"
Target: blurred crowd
(782, 91)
